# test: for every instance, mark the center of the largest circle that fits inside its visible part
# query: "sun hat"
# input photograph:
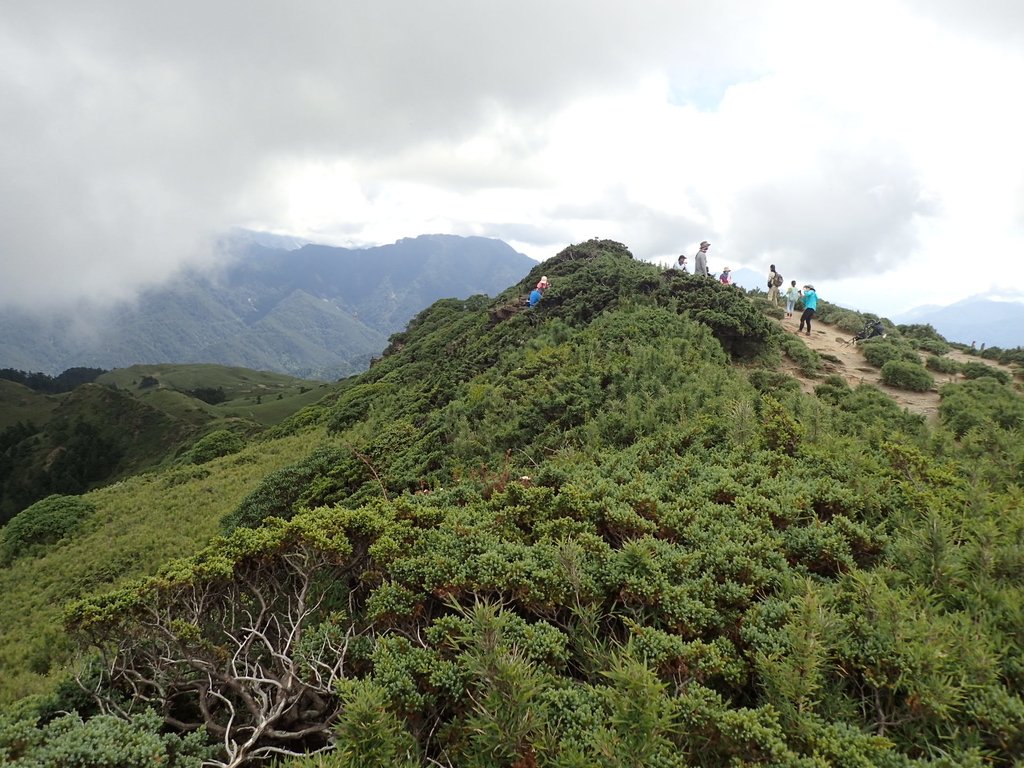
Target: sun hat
(727, 270)
(704, 242)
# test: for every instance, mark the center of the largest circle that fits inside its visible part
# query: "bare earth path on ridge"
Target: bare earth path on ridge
(846, 360)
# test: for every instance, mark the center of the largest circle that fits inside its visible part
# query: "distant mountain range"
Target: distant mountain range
(312, 311)
(994, 322)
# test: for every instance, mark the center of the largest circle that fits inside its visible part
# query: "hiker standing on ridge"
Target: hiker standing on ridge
(774, 281)
(700, 261)
(792, 294)
(726, 277)
(681, 263)
(810, 304)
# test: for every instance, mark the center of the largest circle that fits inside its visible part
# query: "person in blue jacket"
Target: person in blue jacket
(535, 296)
(810, 304)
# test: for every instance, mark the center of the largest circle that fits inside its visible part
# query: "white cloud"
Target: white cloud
(871, 147)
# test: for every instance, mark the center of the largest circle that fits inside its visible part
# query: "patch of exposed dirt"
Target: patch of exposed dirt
(843, 358)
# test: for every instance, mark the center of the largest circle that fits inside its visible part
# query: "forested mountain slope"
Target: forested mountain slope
(317, 312)
(603, 531)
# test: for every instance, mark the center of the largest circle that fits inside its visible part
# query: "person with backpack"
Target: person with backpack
(872, 327)
(810, 304)
(792, 294)
(774, 281)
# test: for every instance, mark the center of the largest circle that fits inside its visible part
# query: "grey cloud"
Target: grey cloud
(551, 233)
(853, 214)
(648, 232)
(131, 131)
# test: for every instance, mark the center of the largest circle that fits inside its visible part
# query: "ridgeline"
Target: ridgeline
(603, 531)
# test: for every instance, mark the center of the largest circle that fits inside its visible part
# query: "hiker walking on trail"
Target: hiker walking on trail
(681, 263)
(700, 261)
(542, 284)
(792, 294)
(536, 295)
(810, 304)
(774, 281)
(726, 277)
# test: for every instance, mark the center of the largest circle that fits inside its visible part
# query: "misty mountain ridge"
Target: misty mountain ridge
(277, 304)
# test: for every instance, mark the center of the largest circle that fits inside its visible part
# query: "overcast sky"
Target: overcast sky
(873, 148)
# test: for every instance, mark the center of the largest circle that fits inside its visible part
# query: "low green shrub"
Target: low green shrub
(878, 352)
(847, 320)
(1001, 355)
(43, 524)
(844, 320)
(942, 364)
(805, 357)
(921, 332)
(767, 308)
(220, 442)
(281, 490)
(903, 374)
(974, 370)
(934, 346)
(767, 381)
(104, 740)
(980, 403)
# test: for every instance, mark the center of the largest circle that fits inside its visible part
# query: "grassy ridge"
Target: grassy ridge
(19, 403)
(263, 397)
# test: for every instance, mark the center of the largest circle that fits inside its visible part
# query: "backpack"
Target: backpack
(777, 280)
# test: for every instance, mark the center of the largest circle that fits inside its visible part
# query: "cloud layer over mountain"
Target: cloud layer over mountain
(872, 146)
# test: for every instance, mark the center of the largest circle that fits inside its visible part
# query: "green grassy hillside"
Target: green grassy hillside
(128, 421)
(18, 403)
(263, 397)
(138, 524)
(606, 531)
(237, 383)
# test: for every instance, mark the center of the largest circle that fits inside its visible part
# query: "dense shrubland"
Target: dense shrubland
(42, 525)
(578, 536)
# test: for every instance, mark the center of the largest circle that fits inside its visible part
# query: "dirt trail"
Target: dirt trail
(846, 360)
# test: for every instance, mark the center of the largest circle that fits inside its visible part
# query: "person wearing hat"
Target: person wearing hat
(542, 284)
(810, 304)
(681, 263)
(726, 277)
(700, 261)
